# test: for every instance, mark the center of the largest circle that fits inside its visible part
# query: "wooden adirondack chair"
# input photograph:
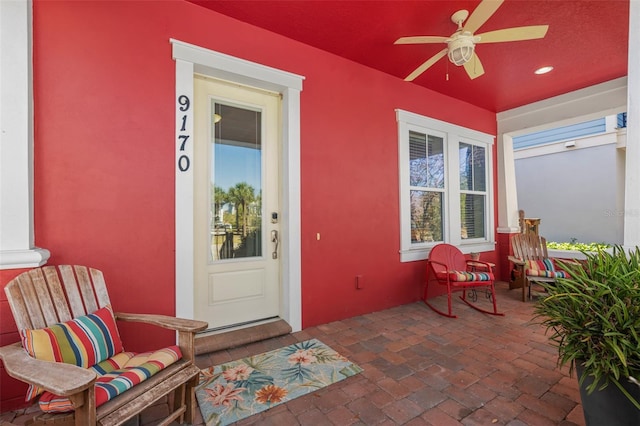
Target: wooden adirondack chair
(531, 250)
(43, 297)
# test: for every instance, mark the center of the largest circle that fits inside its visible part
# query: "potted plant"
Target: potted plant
(593, 318)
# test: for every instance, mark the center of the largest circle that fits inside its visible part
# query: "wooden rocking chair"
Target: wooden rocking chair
(40, 300)
(532, 261)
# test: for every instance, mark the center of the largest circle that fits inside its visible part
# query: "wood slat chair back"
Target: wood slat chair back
(39, 299)
(528, 247)
(45, 296)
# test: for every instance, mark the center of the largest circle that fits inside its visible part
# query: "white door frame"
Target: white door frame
(192, 59)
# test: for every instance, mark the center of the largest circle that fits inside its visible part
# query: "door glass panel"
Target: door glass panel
(236, 183)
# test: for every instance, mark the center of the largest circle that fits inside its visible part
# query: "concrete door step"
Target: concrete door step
(231, 339)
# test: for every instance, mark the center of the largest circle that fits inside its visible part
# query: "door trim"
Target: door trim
(192, 59)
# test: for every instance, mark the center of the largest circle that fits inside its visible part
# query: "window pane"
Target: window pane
(426, 160)
(236, 187)
(426, 216)
(479, 175)
(472, 216)
(472, 167)
(417, 159)
(466, 166)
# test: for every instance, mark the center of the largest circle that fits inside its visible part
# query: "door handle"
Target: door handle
(274, 239)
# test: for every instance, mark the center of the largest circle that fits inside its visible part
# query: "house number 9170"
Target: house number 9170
(184, 162)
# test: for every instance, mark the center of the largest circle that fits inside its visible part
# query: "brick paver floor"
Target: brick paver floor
(424, 369)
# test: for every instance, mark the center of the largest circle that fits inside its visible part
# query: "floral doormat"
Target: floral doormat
(238, 389)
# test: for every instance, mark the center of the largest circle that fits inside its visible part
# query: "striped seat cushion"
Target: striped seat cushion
(116, 375)
(544, 269)
(460, 276)
(83, 341)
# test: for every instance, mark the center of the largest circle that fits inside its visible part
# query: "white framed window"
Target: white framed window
(446, 191)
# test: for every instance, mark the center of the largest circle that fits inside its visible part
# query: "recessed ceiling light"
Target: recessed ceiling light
(543, 70)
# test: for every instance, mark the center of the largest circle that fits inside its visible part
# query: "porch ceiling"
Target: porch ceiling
(586, 42)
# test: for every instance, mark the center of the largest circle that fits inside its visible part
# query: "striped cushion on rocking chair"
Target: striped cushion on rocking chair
(465, 276)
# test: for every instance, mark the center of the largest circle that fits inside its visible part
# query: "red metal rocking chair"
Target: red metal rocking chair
(450, 268)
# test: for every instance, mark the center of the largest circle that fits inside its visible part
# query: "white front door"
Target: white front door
(236, 204)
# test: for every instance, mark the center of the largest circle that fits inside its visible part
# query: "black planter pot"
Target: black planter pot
(609, 407)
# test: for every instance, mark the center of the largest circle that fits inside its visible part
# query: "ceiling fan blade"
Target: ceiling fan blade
(514, 34)
(481, 14)
(473, 67)
(420, 40)
(422, 68)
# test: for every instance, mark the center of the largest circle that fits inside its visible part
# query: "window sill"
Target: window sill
(422, 253)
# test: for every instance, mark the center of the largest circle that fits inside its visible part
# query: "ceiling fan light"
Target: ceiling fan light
(460, 51)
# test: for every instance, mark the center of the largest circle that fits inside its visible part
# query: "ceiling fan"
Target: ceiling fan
(461, 44)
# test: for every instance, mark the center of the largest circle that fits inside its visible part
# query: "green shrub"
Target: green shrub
(577, 246)
(593, 317)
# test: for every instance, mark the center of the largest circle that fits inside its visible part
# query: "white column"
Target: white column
(17, 240)
(291, 217)
(508, 194)
(632, 177)
(184, 194)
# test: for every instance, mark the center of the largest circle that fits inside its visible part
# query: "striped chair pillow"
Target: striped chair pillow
(543, 268)
(83, 341)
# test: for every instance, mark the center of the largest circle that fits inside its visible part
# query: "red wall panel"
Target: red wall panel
(104, 87)
(104, 156)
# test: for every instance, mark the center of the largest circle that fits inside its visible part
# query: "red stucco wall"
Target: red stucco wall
(104, 155)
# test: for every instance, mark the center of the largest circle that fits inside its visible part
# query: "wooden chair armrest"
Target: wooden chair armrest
(186, 328)
(56, 377)
(516, 260)
(165, 321)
